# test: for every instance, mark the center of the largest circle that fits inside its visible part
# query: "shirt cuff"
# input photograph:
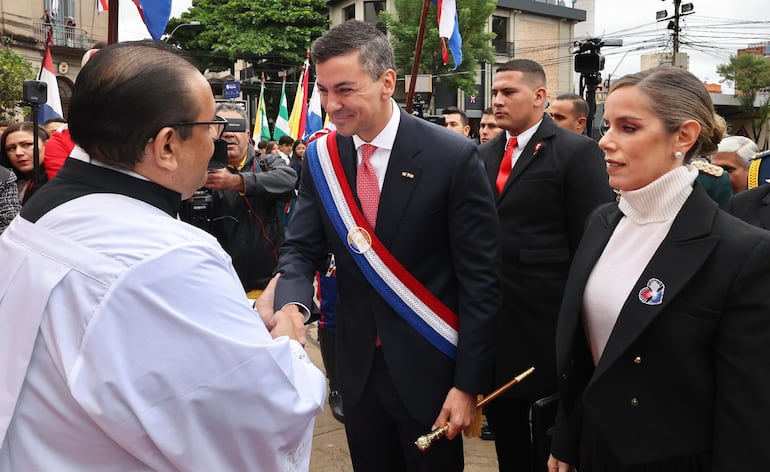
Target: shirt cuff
(302, 309)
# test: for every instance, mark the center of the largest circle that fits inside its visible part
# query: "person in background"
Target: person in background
(488, 128)
(9, 197)
(246, 196)
(753, 205)
(285, 144)
(547, 181)
(570, 111)
(297, 156)
(456, 120)
(139, 349)
(733, 156)
(54, 124)
(17, 153)
(663, 335)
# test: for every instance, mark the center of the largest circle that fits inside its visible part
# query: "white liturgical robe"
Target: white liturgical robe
(127, 343)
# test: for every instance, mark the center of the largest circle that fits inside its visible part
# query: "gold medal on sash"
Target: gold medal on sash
(359, 240)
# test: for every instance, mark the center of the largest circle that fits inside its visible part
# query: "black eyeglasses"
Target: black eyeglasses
(216, 127)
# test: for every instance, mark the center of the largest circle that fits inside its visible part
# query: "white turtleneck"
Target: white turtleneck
(648, 214)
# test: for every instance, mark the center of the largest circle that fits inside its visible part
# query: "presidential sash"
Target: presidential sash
(404, 293)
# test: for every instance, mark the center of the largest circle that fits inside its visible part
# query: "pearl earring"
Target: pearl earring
(678, 155)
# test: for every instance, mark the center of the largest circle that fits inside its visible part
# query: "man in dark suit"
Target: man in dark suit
(436, 216)
(547, 181)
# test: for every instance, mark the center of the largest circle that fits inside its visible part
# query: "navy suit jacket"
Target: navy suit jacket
(686, 376)
(543, 209)
(752, 206)
(437, 217)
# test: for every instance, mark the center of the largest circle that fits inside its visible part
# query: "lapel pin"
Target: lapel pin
(406, 174)
(652, 294)
(537, 149)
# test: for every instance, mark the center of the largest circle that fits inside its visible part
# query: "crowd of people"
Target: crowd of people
(175, 264)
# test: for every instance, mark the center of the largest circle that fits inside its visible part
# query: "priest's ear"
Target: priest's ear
(160, 150)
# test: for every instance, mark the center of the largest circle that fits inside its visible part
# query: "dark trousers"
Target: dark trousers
(381, 433)
(509, 421)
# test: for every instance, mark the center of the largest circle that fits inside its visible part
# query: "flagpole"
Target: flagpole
(112, 22)
(417, 54)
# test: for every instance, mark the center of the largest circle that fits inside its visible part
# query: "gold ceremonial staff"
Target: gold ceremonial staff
(424, 441)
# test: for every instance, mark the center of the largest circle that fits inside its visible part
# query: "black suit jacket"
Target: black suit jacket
(752, 206)
(437, 217)
(543, 209)
(688, 375)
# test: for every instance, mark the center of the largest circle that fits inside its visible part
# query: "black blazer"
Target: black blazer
(437, 217)
(752, 206)
(688, 375)
(543, 210)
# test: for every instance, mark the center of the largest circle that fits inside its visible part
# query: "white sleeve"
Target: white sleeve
(178, 369)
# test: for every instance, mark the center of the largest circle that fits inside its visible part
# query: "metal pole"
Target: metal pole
(112, 22)
(417, 53)
(677, 4)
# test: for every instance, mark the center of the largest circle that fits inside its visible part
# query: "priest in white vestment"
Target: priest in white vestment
(126, 340)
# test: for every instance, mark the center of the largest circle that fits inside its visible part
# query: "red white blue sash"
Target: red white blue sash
(404, 293)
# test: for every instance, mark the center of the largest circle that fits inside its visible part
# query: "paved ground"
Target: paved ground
(330, 451)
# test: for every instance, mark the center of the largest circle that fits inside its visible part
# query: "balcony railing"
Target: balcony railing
(503, 48)
(66, 36)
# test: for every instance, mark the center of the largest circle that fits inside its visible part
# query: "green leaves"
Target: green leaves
(13, 71)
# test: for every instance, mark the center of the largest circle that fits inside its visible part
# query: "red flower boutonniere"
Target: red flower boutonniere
(538, 147)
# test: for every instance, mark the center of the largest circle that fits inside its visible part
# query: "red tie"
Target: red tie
(367, 188)
(505, 165)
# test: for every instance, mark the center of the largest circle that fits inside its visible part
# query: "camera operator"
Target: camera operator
(244, 198)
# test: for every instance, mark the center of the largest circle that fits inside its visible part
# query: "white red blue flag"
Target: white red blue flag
(101, 5)
(52, 107)
(155, 15)
(449, 30)
(314, 120)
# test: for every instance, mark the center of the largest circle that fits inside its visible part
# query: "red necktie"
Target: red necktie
(506, 165)
(367, 188)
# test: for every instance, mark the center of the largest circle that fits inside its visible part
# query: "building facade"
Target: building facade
(74, 26)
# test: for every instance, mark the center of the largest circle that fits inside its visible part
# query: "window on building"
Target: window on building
(500, 28)
(371, 14)
(349, 12)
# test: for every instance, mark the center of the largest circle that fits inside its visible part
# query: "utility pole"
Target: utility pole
(677, 3)
(680, 10)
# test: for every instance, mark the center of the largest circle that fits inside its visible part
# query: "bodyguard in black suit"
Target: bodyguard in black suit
(436, 215)
(558, 178)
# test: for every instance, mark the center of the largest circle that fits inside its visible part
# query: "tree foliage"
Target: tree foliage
(279, 31)
(750, 75)
(472, 15)
(14, 70)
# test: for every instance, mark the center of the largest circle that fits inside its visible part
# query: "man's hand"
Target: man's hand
(555, 465)
(286, 325)
(264, 304)
(459, 410)
(223, 179)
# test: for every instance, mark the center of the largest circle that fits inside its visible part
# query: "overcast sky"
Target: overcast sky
(716, 29)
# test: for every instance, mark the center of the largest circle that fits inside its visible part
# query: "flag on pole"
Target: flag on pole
(449, 29)
(314, 113)
(261, 126)
(282, 122)
(299, 107)
(101, 5)
(155, 15)
(52, 107)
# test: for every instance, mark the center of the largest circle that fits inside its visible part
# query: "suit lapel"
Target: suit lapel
(401, 177)
(544, 131)
(494, 157)
(679, 257)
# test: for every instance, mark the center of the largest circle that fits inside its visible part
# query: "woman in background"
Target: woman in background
(17, 153)
(663, 336)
